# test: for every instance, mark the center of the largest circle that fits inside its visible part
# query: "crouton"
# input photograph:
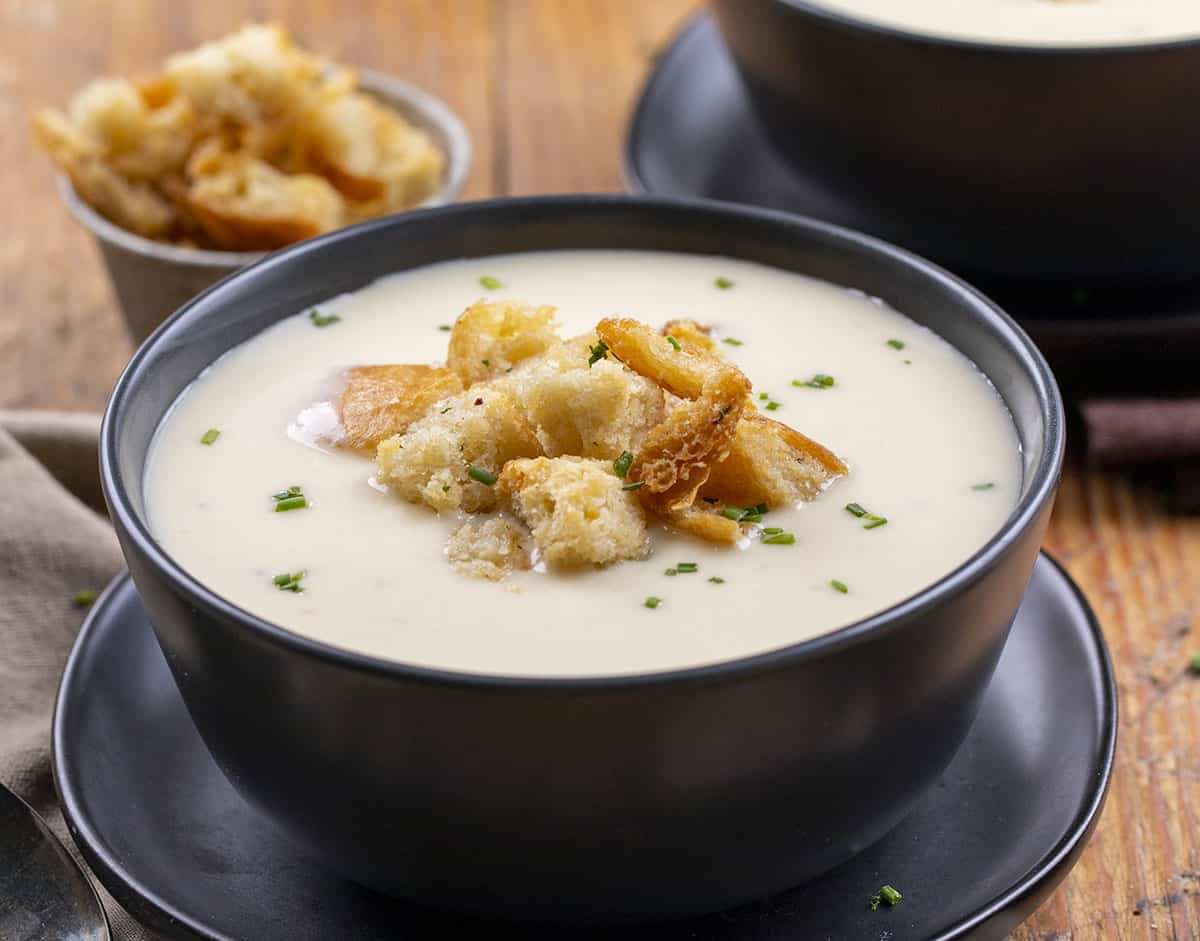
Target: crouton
(773, 464)
(431, 462)
(489, 338)
(576, 509)
(593, 411)
(372, 155)
(245, 204)
(690, 335)
(381, 401)
(488, 548)
(254, 76)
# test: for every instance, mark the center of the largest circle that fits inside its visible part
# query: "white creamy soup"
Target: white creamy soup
(928, 441)
(1034, 22)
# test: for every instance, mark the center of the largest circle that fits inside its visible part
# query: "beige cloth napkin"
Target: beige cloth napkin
(54, 543)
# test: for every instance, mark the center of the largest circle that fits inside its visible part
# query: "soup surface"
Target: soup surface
(929, 444)
(1034, 22)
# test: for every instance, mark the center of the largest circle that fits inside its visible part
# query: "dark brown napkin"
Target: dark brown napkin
(54, 544)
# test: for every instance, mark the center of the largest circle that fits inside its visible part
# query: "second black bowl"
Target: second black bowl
(1055, 163)
(638, 797)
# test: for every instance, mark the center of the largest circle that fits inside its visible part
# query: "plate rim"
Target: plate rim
(152, 909)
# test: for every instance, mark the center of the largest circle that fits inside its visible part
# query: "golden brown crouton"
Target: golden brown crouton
(372, 155)
(489, 338)
(773, 464)
(591, 411)
(692, 336)
(430, 463)
(488, 548)
(245, 204)
(576, 510)
(381, 401)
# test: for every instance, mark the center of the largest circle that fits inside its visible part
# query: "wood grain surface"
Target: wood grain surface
(545, 87)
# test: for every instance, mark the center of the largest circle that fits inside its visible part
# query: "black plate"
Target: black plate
(693, 134)
(167, 835)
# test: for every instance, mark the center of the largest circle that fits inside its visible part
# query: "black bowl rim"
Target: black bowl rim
(815, 9)
(1042, 482)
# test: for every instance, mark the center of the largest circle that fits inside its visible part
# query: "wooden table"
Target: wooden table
(545, 87)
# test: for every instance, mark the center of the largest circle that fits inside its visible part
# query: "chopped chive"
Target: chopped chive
(818, 381)
(483, 476)
(839, 586)
(984, 486)
(771, 406)
(732, 342)
(735, 513)
(635, 486)
(486, 362)
(875, 522)
(652, 602)
(772, 530)
(621, 464)
(490, 283)
(717, 580)
(599, 351)
(210, 436)
(855, 509)
(1194, 664)
(896, 344)
(322, 320)
(447, 409)
(723, 283)
(779, 539)
(750, 514)
(84, 598)
(885, 896)
(759, 508)
(762, 396)
(674, 343)
(291, 499)
(445, 326)
(908, 362)
(671, 571)
(687, 568)
(289, 581)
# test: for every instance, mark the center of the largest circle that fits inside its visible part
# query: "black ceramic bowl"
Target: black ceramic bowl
(612, 798)
(1062, 163)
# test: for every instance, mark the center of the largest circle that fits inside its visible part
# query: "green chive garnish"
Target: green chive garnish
(819, 381)
(674, 343)
(490, 283)
(1194, 664)
(749, 514)
(652, 602)
(855, 509)
(762, 396)
(779, 539)
(723, 283)
(485, 477)
(210, 436)
(875, 521)
(486, 362)
(322, 320)
(290, 499)
(446, 409)
(635, 486)
(687, 568)
(289, 581)
(985, 486)
(732, 342)
(621, 464)
(885, 896)
(908, 362)
(896, 344)
(671, 572)
(84, 598)
(445, 326)
(599, 351)
(772, 530)
(838, 586)
(717, 580)
(771, 406)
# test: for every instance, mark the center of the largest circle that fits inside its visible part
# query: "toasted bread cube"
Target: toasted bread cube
(593, 411)
(489, 338)
(430, 463)
(372, 155)
(245, 204)
(576, 509)
(488, 548)
(381, 401)
(773, 464)
(253, 76)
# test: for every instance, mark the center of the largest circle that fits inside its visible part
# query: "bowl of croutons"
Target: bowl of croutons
(234, 149)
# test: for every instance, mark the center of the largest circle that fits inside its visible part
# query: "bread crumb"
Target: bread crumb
(488, 548)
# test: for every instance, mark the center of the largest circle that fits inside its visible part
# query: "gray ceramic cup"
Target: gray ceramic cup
(152, 279)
